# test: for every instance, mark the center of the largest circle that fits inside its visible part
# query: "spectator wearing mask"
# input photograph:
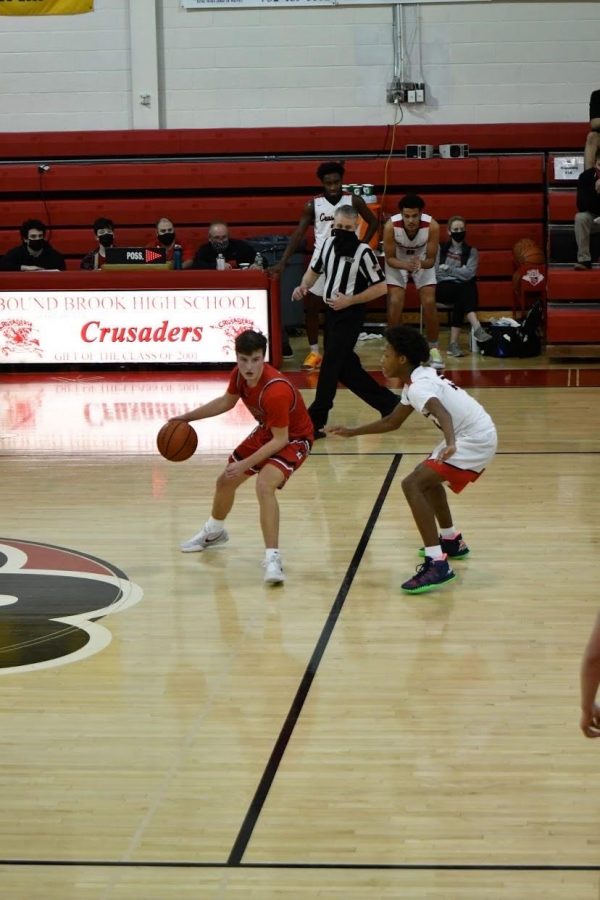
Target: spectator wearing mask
(456, 271)
(35, 254)
(233, 251)
(587, 219)
(104, 230)
(166, 237)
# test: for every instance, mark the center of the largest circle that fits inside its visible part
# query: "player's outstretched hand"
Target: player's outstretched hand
(339, 430)
(590, 722)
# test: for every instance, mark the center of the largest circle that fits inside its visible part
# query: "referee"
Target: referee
(352, 279)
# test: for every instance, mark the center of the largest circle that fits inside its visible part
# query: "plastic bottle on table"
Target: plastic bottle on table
(258, 261)
(177, 256)
(220, 262)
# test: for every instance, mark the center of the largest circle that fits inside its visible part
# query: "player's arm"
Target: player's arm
(213, 408)
(367, 214)
(306, 219)
(388, 423)
(443, 417)
(432, 246)
(590, 679)
(389, 247)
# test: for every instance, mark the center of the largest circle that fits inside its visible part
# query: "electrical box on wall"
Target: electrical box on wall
(454, 151)
(419, 151)
(405, 91)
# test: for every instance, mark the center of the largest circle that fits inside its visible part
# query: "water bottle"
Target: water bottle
(258, 261)
(220, 262)
(177, 256)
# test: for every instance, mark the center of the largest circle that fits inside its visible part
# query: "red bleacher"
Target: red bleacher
(254, 179)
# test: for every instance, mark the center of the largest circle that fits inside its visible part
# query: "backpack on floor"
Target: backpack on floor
(517, 340)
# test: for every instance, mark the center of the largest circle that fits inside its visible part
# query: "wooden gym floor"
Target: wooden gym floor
(172, 728)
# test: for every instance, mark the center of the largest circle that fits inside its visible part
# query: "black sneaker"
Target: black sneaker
(583, 266)
(454, 548)
(319, 433)
(287, 352)
(430, 575)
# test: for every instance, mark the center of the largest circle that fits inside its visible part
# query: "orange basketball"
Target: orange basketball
(527, 251)
(176, 440)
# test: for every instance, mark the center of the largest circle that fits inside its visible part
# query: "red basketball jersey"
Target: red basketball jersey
(274, 402)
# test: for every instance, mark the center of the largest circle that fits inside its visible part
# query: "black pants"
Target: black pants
(340, 363)
(462, 295)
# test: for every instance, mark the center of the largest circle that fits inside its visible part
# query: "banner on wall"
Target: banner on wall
(295, 4)
(45, 7)
(122, 326)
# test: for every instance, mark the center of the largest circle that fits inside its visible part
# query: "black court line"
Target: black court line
(360, 867)
(254, 810)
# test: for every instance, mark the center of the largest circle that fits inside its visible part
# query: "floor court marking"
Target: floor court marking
(262, 791)
(370, 867)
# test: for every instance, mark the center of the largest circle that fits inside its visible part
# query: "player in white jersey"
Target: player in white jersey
(469, 445)
(319, 212)
(410, 243)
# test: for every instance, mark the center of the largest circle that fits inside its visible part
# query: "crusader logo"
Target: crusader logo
(231, 328)
(50, 601)
(16, 336)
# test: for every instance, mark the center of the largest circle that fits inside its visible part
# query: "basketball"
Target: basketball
(527, 252)
(176, 440)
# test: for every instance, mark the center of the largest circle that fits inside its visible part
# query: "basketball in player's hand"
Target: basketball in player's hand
(176, 440)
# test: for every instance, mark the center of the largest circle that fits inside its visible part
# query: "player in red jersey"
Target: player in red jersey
(274, 450)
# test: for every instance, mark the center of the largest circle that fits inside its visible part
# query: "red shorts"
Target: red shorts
(287, 460)
(457, 478)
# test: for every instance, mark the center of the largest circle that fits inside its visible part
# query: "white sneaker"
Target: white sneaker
(435, 358)
(274, 571)
(204, 540)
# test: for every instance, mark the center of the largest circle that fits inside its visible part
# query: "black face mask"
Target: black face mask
(167, 238)
(36, 244)
(458, 236)
(219, 245)
(345, 242)
(106, 240)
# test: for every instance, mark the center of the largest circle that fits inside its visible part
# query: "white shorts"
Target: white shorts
(399, 277)
(472, 456)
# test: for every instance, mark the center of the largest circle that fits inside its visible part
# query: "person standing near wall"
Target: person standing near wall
(410, 242)
(320, 212)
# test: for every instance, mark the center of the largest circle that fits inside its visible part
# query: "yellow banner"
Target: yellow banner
(45, 7)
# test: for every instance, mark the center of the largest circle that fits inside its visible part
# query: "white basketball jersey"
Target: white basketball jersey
(324, 216)
(408, 247)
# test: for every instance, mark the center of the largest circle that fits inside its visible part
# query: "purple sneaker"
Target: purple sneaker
(430, 575)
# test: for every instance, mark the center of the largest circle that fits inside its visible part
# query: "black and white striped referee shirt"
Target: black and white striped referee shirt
(348, 275)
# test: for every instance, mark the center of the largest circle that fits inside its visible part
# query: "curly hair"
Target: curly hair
(330, 168)
(408, 342)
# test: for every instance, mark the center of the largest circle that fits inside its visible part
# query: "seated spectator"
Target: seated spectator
(104, 230)
(166, 237)
(587, 219)
(234, 252)
(592, 141)
(456, 270)
(35, 254)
